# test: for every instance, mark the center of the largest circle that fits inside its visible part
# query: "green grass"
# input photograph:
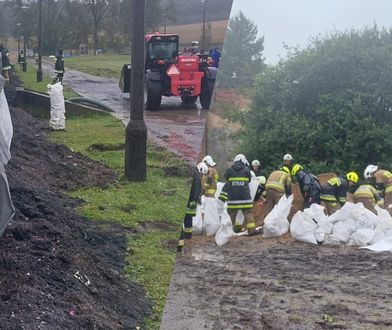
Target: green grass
(108, 66)
(161, 198)
(29, 81)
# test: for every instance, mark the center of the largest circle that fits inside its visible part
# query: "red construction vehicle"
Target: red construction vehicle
(168, 73)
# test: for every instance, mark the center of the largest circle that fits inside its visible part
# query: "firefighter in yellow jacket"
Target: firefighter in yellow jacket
(367, 195)
(278, 184)
(383, 183)
(210, 180)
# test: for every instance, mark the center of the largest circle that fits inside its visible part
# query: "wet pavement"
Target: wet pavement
(176, 127)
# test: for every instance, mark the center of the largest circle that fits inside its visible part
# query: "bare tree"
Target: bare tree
(98, 10)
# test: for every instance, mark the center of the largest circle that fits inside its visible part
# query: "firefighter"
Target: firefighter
(193, 199)
(6, 64)
(309, 185)
(334, 192)
(210, 180)
(21, 59)
(256, 168)
(59, 66)
(278, 183)
(383, 183)
(236, 193)
(367, 195)
(288, 161)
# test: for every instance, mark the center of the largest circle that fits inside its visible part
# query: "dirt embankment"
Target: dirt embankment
(57, 269)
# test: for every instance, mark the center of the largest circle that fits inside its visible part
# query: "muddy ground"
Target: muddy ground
(57, 269)
(256, 283)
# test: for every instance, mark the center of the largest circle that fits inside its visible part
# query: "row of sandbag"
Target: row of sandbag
(352, 225)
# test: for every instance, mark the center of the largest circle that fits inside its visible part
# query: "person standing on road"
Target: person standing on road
(383, 183)
(278, 183)
(193, 199)
(334, 192)
(368, 195)
(236, 193)
(309, 185)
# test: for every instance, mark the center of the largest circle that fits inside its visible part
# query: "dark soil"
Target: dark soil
(59, 270)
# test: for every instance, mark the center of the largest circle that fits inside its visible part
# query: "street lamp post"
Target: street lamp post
(39, 70)
(204, 2)
(136, 132)
(24, 7)
(164, 22)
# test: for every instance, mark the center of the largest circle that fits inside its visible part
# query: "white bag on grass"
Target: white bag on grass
(303, 228)
(225, 232)
(324, 229)
(57, 106)
(211, 216)
(276, 223)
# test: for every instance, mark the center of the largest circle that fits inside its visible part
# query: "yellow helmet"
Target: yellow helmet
(284, 168)
(352, 176)
(296, 168)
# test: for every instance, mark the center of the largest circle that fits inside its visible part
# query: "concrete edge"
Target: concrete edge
(38, 105)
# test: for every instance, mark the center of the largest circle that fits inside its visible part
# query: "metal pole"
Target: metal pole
(164, 23)
(39, 70)
(204, 26)
(136, 132)
(24, 51)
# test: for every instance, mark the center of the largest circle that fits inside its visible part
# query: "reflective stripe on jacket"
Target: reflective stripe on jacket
(366, 191)
(278, 180)
(335, 190)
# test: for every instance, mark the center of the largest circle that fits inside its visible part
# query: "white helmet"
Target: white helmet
(262, 180)
(209, 161)
(255, 163)
(202, 168)
(287, 157)
(370, 169)
(241, 158)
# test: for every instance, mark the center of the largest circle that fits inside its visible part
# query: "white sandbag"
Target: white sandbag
(219, 187)
(361, 237)
(225, 231)
(303, 228)
(363, 217)
(384, 227)
(341, 232)
(197, 222)
(6, 128)
(240, 218)
(57, 106)
(253, 185)
(211, 216)
(383, 245)
(323, 230)
(276, 223)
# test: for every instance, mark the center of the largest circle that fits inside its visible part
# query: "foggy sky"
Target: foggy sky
(293, 21)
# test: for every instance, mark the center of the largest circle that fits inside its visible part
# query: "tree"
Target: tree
(329, 105)
(98, 10)
(242, 54)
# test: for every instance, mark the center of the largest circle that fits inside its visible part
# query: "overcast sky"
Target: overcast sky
(293, 21)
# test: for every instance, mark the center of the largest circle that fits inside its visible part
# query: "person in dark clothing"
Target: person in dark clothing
(6, 64)
(216, 55)
(59, 66)
(236, 193)
(309, 185)
(193, 199)
(334, 193)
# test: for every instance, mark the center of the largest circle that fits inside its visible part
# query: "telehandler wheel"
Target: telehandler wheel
(152, 95)
(207, 88)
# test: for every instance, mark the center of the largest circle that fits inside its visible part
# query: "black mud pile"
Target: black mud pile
(57, 269)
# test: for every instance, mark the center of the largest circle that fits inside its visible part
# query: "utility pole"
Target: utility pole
(204, 2)
(24, 8)
(136, 132)
(164, 22)
(39, 70)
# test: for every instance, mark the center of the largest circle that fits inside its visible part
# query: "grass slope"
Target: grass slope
(29, 81)
(154, 208)
(108, 66)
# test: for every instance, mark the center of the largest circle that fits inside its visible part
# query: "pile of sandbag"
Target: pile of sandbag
(352, 225)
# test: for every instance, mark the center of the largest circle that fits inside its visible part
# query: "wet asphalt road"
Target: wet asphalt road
(176, 127)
